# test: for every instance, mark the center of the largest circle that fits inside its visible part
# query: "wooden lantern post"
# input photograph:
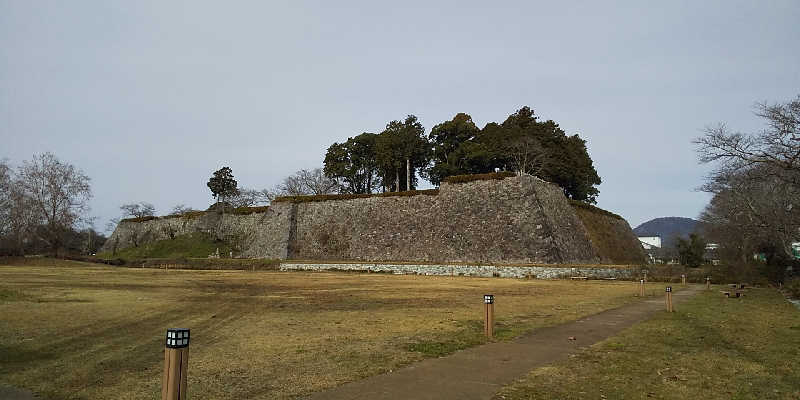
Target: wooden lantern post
(683, 279)
(669, 298)
(641, 288)
(176, 364)
(488, 302)
(708, 283)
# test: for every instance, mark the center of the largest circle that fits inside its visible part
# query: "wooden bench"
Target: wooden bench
(728, 294)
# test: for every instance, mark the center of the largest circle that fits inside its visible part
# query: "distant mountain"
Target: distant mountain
(668, 228)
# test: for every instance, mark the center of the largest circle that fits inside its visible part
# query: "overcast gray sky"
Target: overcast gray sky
(150, 97)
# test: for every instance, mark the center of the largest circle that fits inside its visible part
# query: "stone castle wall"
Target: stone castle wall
(514, 220)
(258, 235)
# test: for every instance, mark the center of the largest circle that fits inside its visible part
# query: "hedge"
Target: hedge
(194, 214)
(479, 177)
(139, 219)
(327, 197)
(249, 210)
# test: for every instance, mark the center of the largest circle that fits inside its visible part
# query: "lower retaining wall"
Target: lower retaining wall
(486, 271)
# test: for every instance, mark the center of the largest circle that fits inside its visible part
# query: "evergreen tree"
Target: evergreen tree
(222, 184)
(447, 139)
(353, 164)
(401, 151)
(691, 252)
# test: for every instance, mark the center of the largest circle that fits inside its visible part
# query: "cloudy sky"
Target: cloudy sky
(149, 98)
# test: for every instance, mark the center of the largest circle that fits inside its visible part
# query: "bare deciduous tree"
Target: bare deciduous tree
(13, 221)
(304, 182)
(5, 197)
(251, 198)
(777, 146)
(180, 209)
(138, 210)
(528, 155)
(756, 183)
(750, 209)
(57, 195)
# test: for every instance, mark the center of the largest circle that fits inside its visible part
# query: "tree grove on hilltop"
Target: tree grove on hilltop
(521, 143)
(394, 158)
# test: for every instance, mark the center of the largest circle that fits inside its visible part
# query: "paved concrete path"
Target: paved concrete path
(480, 372)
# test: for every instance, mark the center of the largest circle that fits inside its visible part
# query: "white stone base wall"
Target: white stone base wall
(486, 271)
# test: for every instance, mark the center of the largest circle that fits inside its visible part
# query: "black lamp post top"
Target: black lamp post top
(177, 338)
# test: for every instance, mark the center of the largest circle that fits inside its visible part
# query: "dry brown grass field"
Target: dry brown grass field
(71, 330)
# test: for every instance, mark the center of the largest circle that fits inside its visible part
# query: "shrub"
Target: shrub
(794, 288)
(188, 214)
(218, 206)
(455, 179)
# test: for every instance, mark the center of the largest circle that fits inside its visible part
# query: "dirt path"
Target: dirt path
(479, 372)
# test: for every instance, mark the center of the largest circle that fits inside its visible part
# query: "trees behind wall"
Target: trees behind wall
(401, 152)
(352, 164)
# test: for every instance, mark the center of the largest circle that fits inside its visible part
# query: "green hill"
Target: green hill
(195, 245)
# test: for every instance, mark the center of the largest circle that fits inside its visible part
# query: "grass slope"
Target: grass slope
(196, 245)
(711, 348)
(609, 235)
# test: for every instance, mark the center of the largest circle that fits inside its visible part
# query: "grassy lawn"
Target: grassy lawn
(711, 348)
(70, 330)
